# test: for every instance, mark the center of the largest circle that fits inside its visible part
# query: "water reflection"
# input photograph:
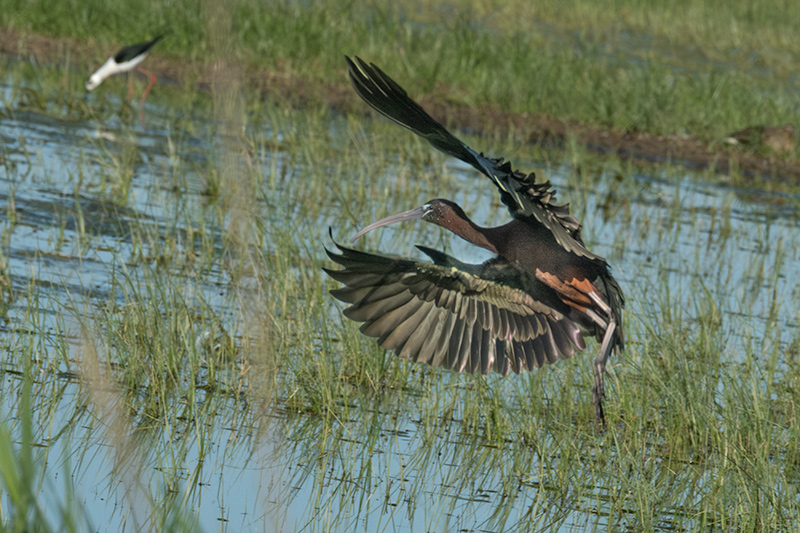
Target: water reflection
(80, 199)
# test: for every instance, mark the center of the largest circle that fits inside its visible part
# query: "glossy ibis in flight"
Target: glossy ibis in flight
(126, 60)
(530, 305)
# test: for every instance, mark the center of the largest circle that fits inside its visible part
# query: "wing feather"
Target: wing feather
(449, 317)
(520, 192)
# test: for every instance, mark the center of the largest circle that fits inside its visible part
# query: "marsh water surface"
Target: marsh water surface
(111, 227)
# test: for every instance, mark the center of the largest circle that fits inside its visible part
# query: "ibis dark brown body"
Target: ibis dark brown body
(532, 304)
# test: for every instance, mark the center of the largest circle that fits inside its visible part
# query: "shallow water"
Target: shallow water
(68, 247)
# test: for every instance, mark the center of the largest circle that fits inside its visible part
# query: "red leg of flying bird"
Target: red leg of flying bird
(582, 295)
(599, 392)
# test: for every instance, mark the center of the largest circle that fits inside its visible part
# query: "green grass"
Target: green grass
(690, 68)
(702, 404)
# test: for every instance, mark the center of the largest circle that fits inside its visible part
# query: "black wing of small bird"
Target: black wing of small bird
(463, 317)
(518, 191)
(136, 50)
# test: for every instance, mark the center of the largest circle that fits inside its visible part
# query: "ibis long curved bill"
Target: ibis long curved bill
(405, 216)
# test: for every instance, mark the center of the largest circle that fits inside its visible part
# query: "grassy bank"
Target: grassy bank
(210, 350)
(169, 338)
(701, 70)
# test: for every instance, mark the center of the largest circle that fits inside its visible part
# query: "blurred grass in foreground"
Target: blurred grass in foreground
(219, 349)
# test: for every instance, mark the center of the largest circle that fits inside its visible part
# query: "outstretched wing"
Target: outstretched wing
(520, 192)
(449, 317)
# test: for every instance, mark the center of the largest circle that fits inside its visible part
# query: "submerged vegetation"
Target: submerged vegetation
(174, 362)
